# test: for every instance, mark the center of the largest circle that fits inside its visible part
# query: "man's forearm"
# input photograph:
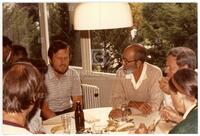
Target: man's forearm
(46, 112)
(135, 104)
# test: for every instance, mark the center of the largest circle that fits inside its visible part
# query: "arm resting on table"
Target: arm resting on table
(46, 112)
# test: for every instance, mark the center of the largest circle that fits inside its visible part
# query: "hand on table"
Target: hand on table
(115, 113)
(145, 108)
(169, 114)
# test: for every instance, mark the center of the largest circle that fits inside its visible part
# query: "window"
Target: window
(107, 47)
(61, 28)
(21, 25)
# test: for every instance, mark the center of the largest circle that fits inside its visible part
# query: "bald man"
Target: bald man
(136, 84)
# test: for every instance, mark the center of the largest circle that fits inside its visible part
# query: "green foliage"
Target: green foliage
(20, 27)
(113, 42)
(59, 23)
(167, 25)
(160, 26)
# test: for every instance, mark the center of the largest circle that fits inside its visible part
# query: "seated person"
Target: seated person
(183, 92)
(177, 58)
(23, 89)
(18, 52)
(136, 83)
(7, 53)
(7, 50)
(35, 120)
(63, 82)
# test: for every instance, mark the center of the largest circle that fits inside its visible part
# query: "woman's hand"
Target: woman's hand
(169, 114)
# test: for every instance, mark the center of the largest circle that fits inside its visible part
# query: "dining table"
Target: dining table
(99, 117)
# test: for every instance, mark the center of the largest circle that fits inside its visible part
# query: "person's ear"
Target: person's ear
(50, 61)
(138, 63)
(70, 57)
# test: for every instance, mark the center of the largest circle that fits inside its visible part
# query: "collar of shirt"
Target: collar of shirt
(52, 74)
(188, 111)
(12, 124)
(143, 76)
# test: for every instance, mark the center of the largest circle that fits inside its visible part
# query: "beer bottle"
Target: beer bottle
(79, 118)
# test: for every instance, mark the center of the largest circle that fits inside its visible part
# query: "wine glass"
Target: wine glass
(126, 111)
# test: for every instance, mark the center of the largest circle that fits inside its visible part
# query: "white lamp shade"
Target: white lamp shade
(96, 16)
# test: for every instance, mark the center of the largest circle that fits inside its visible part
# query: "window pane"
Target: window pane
(21, 25)
(60, 28)
(107, 47)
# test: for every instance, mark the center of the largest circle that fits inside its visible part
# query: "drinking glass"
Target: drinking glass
(98, 128)
(126, 111)
(66, 121)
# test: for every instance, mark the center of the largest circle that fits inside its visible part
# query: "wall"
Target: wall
(102, 80)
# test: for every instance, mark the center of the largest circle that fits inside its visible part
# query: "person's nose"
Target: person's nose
(167, 70)
(64, 61)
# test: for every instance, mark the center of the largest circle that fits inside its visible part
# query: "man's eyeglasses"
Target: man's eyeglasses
(127, 61)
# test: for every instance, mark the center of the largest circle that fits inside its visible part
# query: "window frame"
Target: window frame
(85, 43)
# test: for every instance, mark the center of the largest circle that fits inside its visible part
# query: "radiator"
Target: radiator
(91, 97)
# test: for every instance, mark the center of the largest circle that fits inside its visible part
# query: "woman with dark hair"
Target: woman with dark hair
(184, 97)
(23, 89)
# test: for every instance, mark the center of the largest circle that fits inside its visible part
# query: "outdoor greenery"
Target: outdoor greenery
(21, 25)
(160, 26)
(168, 25)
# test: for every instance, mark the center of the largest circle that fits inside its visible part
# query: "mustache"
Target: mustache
(63, 65)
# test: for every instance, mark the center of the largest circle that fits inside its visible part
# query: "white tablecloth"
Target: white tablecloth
(100, 116)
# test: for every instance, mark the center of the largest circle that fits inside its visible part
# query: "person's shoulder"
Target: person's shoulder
(120, 70)
(72, 70)
(153, 68)
(188, 125)
(10, 130)
(50, 71)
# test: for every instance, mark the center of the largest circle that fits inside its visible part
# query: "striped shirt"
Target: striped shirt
(60, 90)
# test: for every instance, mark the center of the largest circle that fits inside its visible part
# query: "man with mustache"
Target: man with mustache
(63, 82)
(136, 83)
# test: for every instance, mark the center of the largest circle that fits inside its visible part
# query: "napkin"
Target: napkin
(90, 118)
(53, 121)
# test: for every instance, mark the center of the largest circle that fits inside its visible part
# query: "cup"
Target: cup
(126, 111)
(98, 128)
(66, 121)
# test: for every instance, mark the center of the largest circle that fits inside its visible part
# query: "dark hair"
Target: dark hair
(19, 50)
(56, 46)
(187, 80)
(140, 52)
(7, 42)
(23, 86)
(40, 64)
(184, 56)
